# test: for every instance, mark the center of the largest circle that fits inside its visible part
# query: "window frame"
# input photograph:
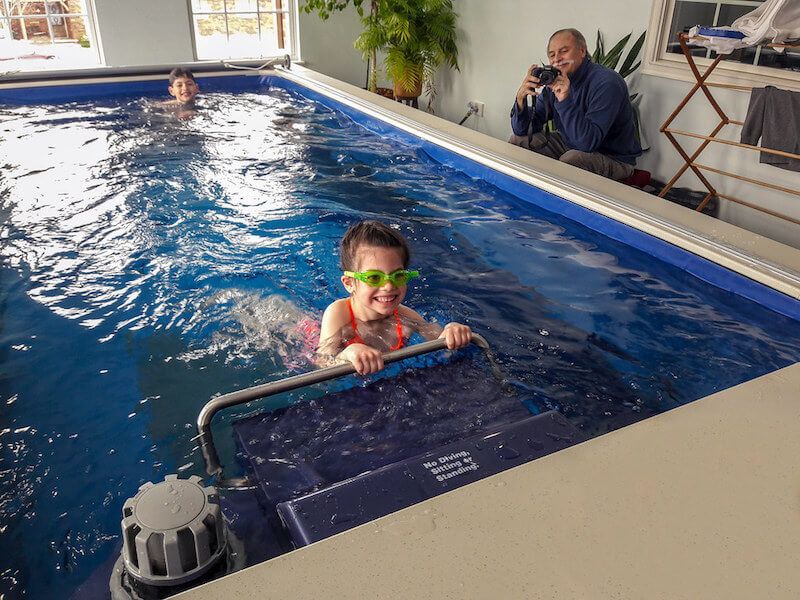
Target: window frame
(657, 61)
(89, 20)
(292, 29)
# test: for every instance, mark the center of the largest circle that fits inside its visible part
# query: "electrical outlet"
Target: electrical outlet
(476, 106)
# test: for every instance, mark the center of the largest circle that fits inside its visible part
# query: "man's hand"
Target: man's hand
(365, 359)
(528, 87)
(560, 87)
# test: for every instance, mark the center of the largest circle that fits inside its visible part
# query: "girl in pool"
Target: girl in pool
(373, 320)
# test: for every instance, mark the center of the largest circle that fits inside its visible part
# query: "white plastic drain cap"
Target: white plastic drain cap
(172, 531)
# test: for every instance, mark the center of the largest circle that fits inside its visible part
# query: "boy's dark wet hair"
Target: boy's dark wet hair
(370, 233)
(178, 72)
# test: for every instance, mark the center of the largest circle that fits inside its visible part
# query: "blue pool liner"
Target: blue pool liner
(701, 268)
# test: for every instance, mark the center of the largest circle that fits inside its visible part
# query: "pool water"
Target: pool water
(149, 263)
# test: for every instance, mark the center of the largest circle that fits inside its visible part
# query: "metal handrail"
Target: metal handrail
(284, 61)
(146, 71)
(213, 406)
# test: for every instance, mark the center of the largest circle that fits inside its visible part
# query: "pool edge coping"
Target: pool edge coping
(696, 512)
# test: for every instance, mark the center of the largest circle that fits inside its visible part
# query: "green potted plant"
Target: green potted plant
(418, 36)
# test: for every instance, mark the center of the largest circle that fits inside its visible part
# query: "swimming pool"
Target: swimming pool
(147, 264)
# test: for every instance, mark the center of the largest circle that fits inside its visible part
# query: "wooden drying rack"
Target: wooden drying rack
(690, 162)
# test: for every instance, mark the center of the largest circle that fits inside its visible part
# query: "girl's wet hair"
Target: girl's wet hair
(370, 233)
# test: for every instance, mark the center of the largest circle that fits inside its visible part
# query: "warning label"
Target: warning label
(451, 465)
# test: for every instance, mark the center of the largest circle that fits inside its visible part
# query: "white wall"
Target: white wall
(327, 46)
(144, 32)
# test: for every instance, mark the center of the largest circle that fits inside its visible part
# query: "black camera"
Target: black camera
(546, 74)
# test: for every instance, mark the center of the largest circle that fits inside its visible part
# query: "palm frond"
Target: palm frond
(627, 65)
(598, 48)
(611, 59)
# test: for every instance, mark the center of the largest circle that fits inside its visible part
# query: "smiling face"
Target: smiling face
(184, 89)
(372, 303)
(563, 47)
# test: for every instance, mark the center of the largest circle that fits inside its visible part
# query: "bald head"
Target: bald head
(580, 41)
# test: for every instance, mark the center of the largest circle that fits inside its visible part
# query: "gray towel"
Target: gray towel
(774, 116)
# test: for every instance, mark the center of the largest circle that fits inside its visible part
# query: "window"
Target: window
(754, 65)
(242, 28)
(46, 35)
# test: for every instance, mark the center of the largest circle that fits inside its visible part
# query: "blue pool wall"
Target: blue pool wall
(701, 268)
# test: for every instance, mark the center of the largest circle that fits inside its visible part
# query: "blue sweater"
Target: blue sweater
(596, 116)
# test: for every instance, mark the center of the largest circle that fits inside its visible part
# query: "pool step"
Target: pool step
(374, 494)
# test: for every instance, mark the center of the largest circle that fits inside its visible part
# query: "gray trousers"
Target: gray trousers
(553, 146)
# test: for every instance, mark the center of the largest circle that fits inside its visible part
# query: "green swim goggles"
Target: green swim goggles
(378, 278)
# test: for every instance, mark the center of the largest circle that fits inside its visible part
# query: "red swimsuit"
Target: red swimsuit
(357, 338)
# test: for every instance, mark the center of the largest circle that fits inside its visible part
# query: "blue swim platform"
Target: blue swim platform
(318, 442)
(366, 497)
(331, 463)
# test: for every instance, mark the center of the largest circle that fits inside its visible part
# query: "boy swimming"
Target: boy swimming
(182, 87)
(373, 320)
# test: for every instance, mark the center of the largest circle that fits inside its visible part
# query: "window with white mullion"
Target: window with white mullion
(5, 25)
(752, 65)
(47, 35)
(687, 13)
(241, 28)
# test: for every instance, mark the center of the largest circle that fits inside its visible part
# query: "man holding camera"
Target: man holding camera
(589, 105)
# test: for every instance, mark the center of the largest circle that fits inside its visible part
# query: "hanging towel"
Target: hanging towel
(774, 116)
(774, 21)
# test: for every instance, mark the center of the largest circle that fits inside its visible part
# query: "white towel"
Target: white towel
(775, 21)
